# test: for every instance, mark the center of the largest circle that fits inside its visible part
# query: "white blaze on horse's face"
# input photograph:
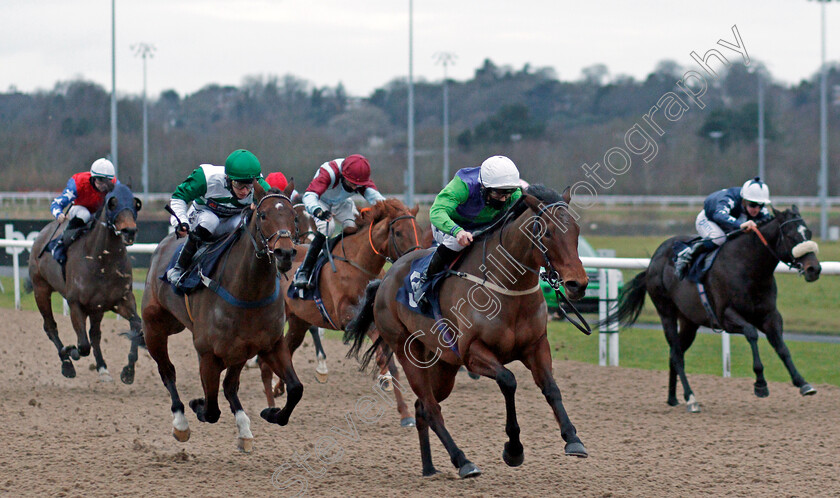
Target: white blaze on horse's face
(801, 229)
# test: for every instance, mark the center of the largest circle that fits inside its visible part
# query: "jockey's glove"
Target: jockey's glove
(321, 214)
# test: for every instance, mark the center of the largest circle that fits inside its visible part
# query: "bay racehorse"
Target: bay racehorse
(383, 232)
(96, 278)
(493, 314)
(242, 318)
(741, 292)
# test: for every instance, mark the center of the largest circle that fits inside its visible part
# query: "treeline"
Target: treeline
(550, 127)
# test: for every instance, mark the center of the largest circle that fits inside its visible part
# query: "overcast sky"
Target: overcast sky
(364, 43)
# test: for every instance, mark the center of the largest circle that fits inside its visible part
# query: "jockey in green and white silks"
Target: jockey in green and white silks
(210, 203)
(475, 197)
(724, 211)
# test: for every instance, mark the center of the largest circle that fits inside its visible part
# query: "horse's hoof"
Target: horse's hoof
(67, 369)
(807, 390)
(182, 436)
(246, 444)
(430, 472)
(513, 460)
(473, 376)
(127, 375)
(270, 414)
(673, 402)
(386, 383)
(408, 422)
(576, 449)
(692, 405)
(105, 376)
(469, 470)
(762, 391)
(321, 377)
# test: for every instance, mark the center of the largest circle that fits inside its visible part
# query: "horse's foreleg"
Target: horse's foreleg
(127, 308)
(406, 420)
(95, 341)
(78, 319)
(243, 423)
(157, 339)
(321, 370)
(733, 322)
(538, 361)
(280, 361)
(210, 368)
(43, 299)
(480, 360)
(773, 328)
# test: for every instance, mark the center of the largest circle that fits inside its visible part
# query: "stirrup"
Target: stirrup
(174, 275)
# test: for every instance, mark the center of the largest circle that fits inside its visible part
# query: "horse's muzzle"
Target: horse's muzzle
(812, 272)
(284, 258)
(128, 235)
(574, 289)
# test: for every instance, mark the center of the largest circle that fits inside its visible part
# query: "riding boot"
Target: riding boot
(176, 273)
(71, 232)
(442, 257)
(305, 270)
(684, 257)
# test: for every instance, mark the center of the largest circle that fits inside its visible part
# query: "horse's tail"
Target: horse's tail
(357, 329)
(630, 302)
(27, 285)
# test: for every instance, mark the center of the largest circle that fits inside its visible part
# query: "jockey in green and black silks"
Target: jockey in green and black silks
(210, 203)
(475, 197)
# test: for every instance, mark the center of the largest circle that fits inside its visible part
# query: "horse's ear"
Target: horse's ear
(290, 187)
(414, 210)
(259, 191)
(112, 203)
(794, 209)
(567, 195)
(776, 212)
(532, 202)
(137, 204)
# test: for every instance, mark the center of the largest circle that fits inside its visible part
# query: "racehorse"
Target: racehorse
(383, 232)
(741, 293)
(96, 278)
(230, 323)
(493, 329)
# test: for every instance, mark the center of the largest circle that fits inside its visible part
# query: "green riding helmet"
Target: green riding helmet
(242, 165)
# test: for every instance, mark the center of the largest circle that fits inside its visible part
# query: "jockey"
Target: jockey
(278, 180)
(475, 197)
(329, 195)
(86, 192)
(725, 210)
(217, 195)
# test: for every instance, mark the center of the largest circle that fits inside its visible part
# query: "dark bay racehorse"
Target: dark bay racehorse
(97, 278)
(229, 330)
(383, 232)
(742, 293)
(491, 321)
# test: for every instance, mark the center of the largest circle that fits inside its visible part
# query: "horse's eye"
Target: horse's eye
(261, 215)
(548, 233)
(398, 233)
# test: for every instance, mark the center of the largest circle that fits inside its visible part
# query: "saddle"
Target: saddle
(205, 261)
(700, 265)
(58, 246)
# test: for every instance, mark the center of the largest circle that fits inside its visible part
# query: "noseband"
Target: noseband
(392, 238)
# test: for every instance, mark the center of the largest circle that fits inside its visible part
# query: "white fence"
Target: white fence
(608, 291)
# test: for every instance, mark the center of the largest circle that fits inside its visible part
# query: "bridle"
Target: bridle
(392, 242)
(265, 241)
(775, 253)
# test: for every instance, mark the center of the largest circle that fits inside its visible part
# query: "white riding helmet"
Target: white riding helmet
(498, 172)
(756, 190)
(102, 168)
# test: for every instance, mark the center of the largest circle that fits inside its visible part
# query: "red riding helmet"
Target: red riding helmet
(356, 169)
(277, 180)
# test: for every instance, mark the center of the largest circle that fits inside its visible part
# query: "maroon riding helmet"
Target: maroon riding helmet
(356, 169)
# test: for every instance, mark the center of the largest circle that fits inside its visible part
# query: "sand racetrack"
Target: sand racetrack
(80, 437)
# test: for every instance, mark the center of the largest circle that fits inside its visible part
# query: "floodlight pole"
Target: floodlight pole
(445, 58)
(409, 179)
(114, 87)
(145, 51)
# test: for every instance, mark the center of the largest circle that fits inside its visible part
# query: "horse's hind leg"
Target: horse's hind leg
(733, 322)
(480, 360)
(158, 329)
(773, 328)
(687, 334)
(538, 361)
(210, 368)
(43, 293)
(243, 423)
(322, 371)
(95, 342)
(280, 361)
(127, 308)
(427, 410)
(668, 316)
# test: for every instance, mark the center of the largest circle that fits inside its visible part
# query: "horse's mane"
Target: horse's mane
(389, 208)
(545, 194)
